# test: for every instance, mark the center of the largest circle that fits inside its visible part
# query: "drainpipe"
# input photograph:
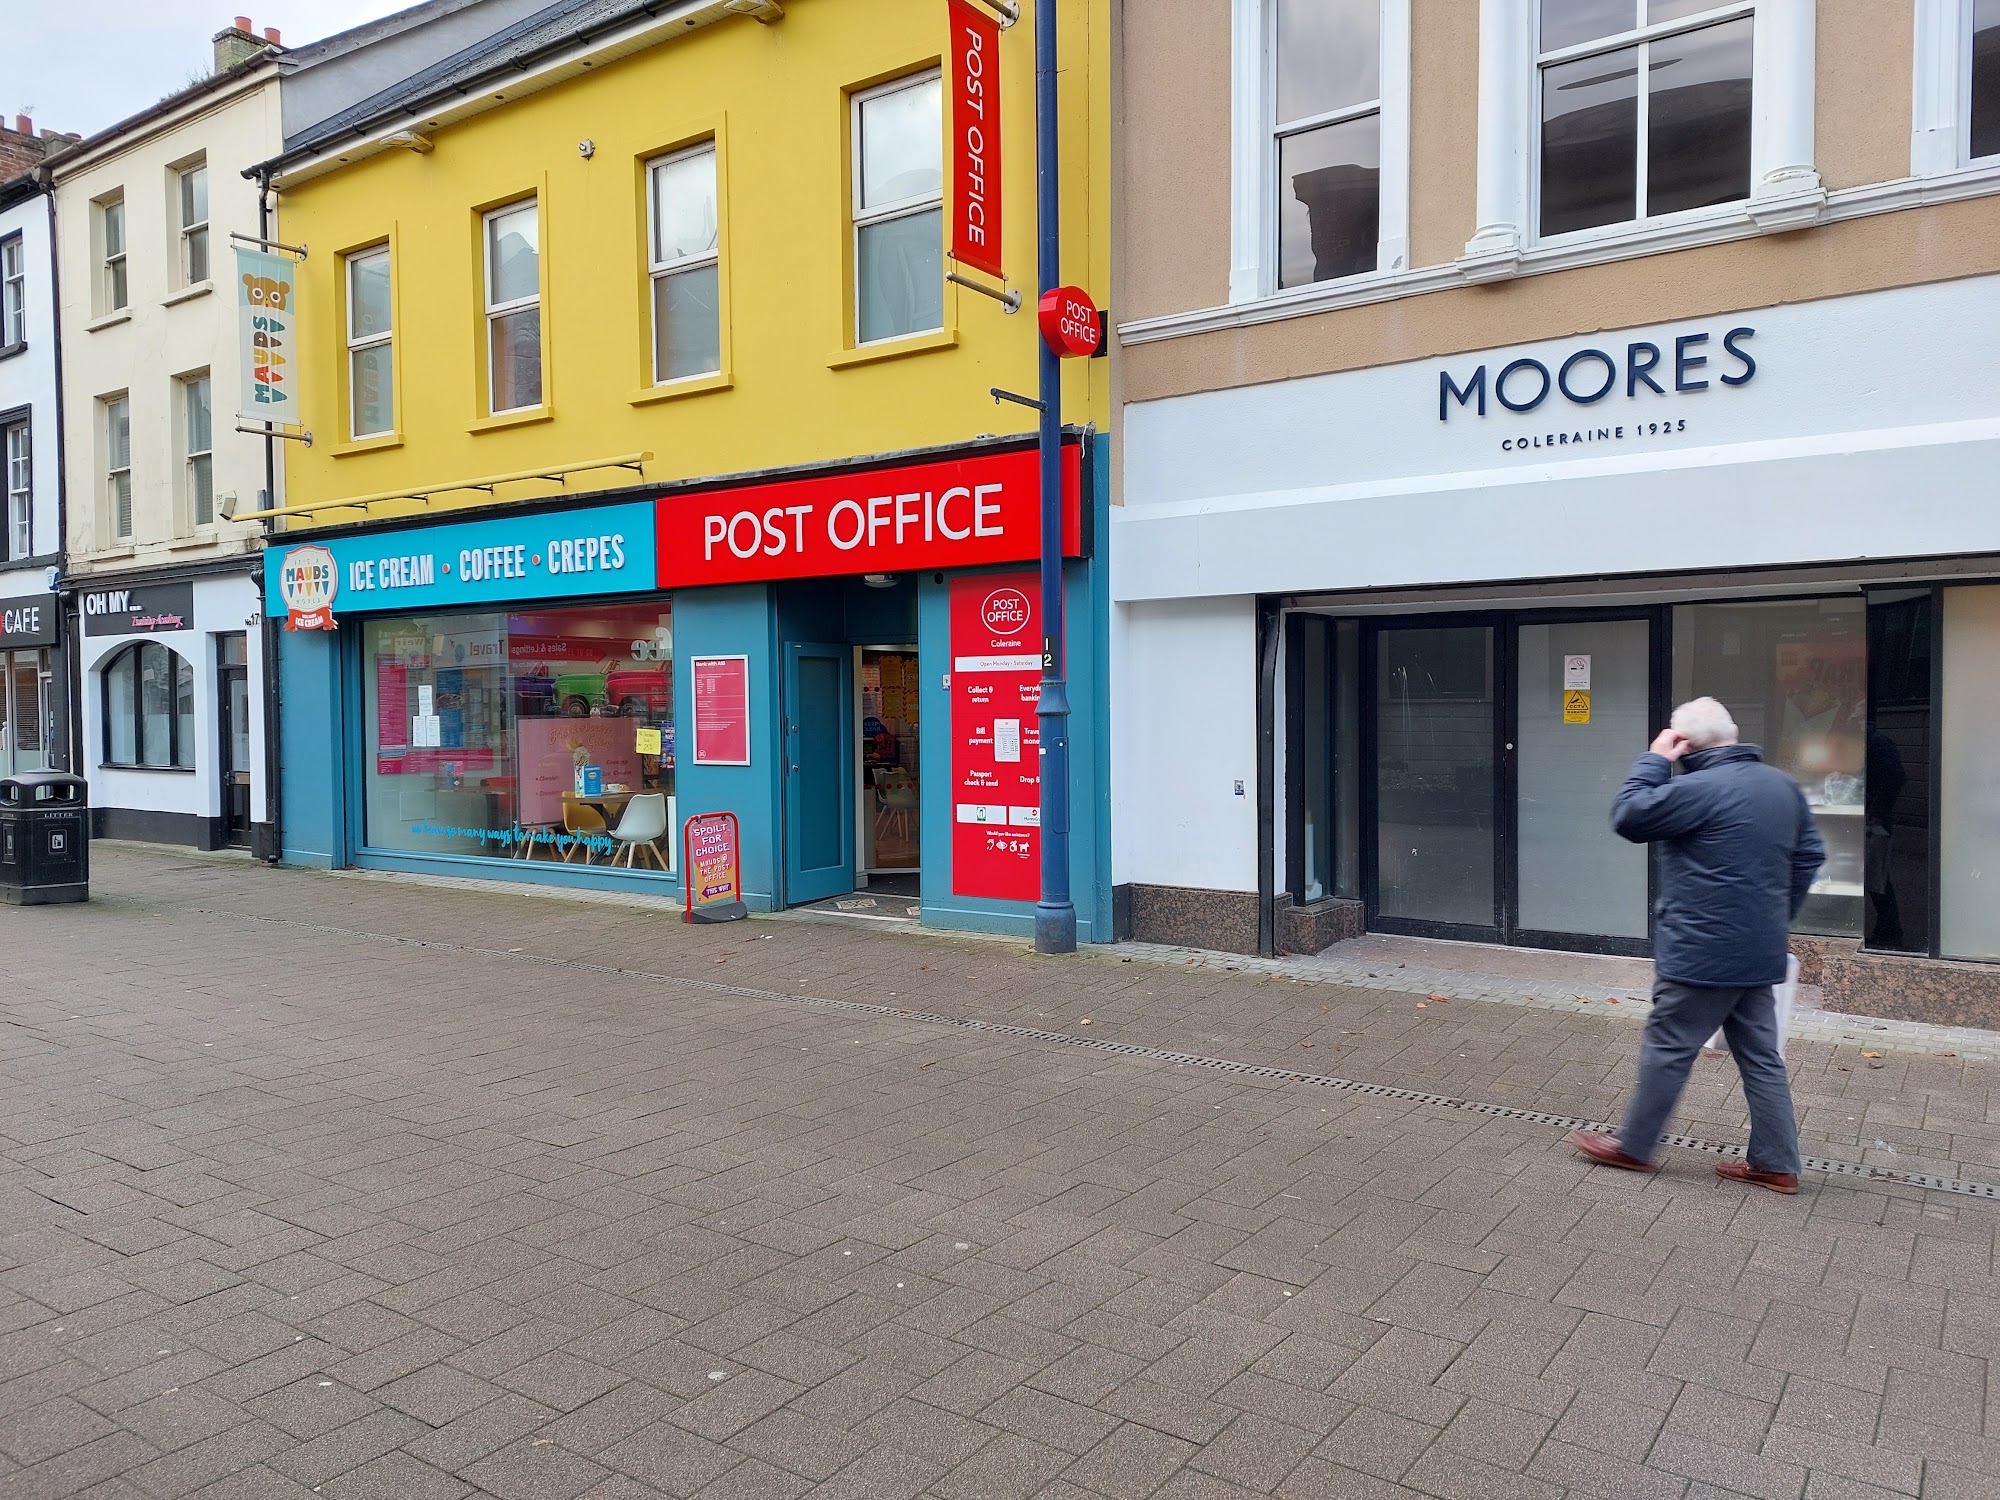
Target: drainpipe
(274, 785)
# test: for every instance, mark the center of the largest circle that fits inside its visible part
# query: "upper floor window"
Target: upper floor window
(149, 708)
(198, 449)
(370, 346)
(118, 465)
(20, 479)
(13, 293)
(1326, 136)
(1645, 108)
(192, 183)
(111, 236)
(898, 152)
(513, 308)
(686, 266)
(1985, 90)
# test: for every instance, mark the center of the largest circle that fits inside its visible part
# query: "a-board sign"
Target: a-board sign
(712, 868)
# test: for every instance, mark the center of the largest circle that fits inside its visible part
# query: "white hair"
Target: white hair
(1705, 723)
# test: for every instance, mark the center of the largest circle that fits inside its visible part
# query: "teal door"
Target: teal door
(819, 774)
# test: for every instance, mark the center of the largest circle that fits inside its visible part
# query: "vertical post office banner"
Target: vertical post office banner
(975, 138)
(996, 741)
(266, 300)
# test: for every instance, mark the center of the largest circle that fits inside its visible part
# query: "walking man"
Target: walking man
(1738, 853)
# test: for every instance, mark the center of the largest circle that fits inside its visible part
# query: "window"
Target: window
(118, 465)
(899, 209)
(149, 708)
(13, 293)
(1985, 90)
(1645, 109)
(479, 725)
(371, 389)
(1969, 791)
(1326, 135)
(198, 431)
(514, 308)
(111, 228)
(686, 266)
(193, 195)
(1794, 676)
(24, 711)
(20, 478)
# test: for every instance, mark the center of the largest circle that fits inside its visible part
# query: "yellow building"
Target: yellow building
(687, 269)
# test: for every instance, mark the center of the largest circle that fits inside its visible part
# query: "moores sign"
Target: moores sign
(1619, 372)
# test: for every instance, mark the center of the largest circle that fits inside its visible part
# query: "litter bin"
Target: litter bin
(44, 838)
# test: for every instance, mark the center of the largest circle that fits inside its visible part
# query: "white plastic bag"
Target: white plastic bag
(1785, 994)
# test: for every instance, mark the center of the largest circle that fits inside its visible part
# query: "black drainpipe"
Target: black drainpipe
(1268, 623)
(274, 786)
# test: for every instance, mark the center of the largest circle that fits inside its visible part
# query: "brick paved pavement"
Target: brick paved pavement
(289, 1207)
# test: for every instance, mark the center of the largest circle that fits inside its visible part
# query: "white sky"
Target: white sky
(81, 65)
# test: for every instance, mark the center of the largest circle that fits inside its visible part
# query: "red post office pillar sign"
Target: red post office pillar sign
(996, 742)
(1069, 322)
(975, 138)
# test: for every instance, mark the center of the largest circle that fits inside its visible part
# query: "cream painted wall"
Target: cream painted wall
(169, 330)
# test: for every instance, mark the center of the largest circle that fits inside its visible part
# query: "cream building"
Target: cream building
(1485, 389)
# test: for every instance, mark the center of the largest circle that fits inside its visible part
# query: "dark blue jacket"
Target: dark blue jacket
(1738, 852)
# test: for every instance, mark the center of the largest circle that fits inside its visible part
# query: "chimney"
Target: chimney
(237, 45)
(23, 125)
(271, 35)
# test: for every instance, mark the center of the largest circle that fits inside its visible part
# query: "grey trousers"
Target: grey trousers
(1684, 1016)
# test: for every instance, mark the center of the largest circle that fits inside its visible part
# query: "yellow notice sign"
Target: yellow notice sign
(1576, 706)
(649, 742)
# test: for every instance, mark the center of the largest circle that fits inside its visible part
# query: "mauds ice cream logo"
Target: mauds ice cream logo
(307, 581)
(1596, 383)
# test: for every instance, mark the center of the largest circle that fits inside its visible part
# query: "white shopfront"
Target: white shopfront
(1796, 508)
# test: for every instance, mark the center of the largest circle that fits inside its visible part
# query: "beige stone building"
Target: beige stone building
(1493, 375)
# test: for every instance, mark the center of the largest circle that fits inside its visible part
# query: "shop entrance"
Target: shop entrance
(1494, 747)
(888, 828)
(819, 772)
(232, 680)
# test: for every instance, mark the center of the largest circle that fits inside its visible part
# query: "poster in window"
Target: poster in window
(996, 784)
(721, 710)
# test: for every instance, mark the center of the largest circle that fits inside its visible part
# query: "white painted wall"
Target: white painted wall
(1183, 732)
(221, 604)
(1857, 437)
(29, 377)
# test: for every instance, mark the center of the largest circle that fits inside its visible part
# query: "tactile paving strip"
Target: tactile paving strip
(1959, 1186)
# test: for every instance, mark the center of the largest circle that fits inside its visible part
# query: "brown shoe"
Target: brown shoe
(1742, 1171)
(1606, 1151)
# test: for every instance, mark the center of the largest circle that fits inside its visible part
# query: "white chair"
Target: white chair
(644, 820)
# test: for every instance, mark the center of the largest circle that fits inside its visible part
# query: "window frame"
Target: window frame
(903, 208)
(189, 231)
(114, 276)
(493, 311)
(658, 270)
(1941, 92)
(107, 406)
(13, 293)
(1720, 12)
(134, 651)
(383, 340)
(184, 387)
(1254, 134)
(17, 531)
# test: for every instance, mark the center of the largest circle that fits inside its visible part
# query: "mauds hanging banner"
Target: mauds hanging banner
(266, 295)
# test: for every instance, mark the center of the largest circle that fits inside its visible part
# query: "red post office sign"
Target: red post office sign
(711, 865)
(975, 138)
(721, 710)
(996, 742)
(954, 513)
(1069, 322)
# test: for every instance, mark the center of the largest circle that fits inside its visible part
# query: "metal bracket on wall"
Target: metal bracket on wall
(999, 395)
(1010, 301)
(301, 436)
(1008, 12)
(251, 239)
